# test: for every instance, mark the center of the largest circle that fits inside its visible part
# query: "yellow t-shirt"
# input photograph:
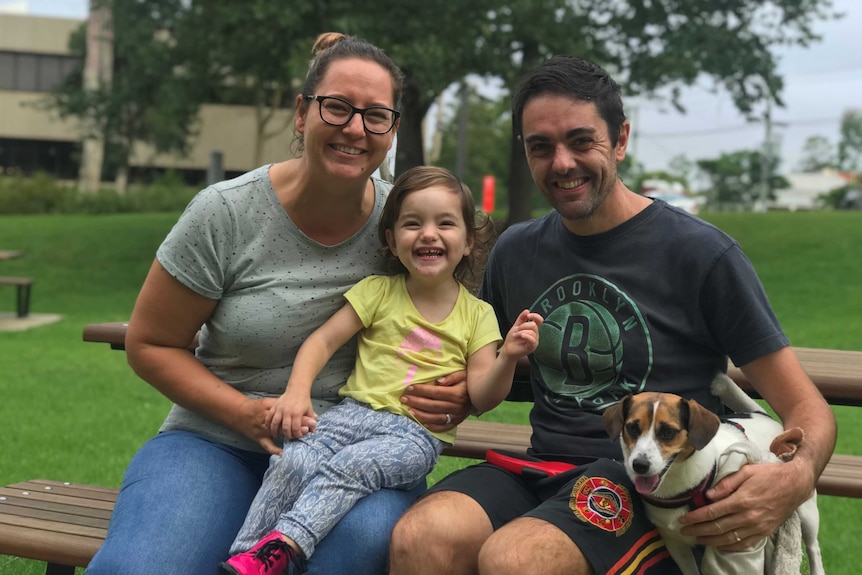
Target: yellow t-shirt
(398, 347)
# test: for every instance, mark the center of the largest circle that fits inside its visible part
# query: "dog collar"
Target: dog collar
(694, 498)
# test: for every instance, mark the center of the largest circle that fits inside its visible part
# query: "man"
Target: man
(636, 296)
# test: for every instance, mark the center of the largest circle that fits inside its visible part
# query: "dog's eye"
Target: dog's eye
(633, 429)
(667, 433)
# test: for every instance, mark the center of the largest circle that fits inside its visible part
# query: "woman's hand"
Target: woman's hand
(440, 407)
(251, 421)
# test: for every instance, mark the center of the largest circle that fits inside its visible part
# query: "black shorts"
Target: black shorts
(592, 504)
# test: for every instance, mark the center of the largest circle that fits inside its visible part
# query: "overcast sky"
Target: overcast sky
(821, 82)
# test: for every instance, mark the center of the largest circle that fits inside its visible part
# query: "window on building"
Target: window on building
(34, 72)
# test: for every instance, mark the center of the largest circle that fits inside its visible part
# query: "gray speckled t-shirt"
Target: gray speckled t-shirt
(274, 285)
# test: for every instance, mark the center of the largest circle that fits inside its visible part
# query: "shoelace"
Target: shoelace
(266, 554)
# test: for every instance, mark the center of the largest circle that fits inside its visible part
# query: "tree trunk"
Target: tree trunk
(121, 181)
(97, 75)
(410, 151)
(520, 183)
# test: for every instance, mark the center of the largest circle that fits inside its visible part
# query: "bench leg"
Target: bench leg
(56, 569)
(23, 300)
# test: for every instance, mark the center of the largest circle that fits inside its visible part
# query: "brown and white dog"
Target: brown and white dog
(675, 450)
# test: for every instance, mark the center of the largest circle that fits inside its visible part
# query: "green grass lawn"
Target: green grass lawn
(74, 411)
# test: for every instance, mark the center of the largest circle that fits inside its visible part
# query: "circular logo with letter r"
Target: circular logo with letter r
(589, 327)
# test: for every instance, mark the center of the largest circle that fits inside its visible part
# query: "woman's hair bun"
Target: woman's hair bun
(325, 41)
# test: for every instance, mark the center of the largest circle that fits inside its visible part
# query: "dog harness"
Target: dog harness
(693, 498)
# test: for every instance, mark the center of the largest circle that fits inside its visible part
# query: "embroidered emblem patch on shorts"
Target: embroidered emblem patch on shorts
(603, 503)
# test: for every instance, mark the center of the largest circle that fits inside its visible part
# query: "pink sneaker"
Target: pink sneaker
(271, 556)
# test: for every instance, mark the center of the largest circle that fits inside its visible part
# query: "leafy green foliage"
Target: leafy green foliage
(489, 127)
(253, 53)
(40, 194)
(738, 179)
(171, 55)
(817, 153)
(148, 99)
(651, 47)
(835, 199)
(43, 194)
(850, 145)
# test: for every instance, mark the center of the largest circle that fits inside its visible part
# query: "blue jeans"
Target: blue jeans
(184, 498)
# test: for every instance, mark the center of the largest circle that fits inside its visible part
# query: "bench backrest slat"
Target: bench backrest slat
(837, 374)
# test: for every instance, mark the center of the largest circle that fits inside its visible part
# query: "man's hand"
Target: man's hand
(749, 505)
(440, 407)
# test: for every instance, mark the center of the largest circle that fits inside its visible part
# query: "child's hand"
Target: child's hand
(292, 416)
(523, 338)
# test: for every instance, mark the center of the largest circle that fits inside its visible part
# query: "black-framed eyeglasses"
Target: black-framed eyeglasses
(338, 112)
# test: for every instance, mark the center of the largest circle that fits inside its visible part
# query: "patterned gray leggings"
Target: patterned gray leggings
(317, 479)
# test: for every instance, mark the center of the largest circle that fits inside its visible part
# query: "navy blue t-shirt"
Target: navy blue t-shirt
(656, 304)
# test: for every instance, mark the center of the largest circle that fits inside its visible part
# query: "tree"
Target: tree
(682, 168)
(254, 52)
(850, 144)
(260, 48)
(488, 129)
(817, 153)
(146, 101)
(435, 43)
(650, 46)
(736, 179)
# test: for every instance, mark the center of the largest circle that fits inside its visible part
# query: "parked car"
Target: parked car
(852, 200)
(688, 203)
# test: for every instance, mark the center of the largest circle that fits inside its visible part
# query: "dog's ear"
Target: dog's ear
(614, 417)
(701, 423)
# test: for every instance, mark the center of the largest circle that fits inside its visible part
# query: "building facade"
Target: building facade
(34, 58)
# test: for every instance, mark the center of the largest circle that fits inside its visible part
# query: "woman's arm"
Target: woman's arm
(166, 317)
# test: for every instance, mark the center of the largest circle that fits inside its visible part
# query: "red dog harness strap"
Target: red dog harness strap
(526, 466)
(694, 498)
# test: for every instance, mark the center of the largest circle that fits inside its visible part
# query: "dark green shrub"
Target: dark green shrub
(167, 193)
(104, 201)
(39, 194)
(42, 194)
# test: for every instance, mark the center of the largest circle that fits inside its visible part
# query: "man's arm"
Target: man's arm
(780, 379)
(754, 501)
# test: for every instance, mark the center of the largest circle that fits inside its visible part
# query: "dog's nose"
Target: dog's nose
(640, 465)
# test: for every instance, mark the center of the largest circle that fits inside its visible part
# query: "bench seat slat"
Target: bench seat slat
(78, 491)
(26, 506)
(60, 528)
(69, 498)
(49, 546)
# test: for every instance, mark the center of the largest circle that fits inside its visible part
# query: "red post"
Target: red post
(488, 183)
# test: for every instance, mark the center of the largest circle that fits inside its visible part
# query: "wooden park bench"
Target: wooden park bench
(64, 524)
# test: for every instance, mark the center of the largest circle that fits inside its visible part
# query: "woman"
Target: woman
(260, 262)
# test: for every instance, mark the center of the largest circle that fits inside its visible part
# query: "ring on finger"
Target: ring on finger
(736, 536)
(448, 419)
